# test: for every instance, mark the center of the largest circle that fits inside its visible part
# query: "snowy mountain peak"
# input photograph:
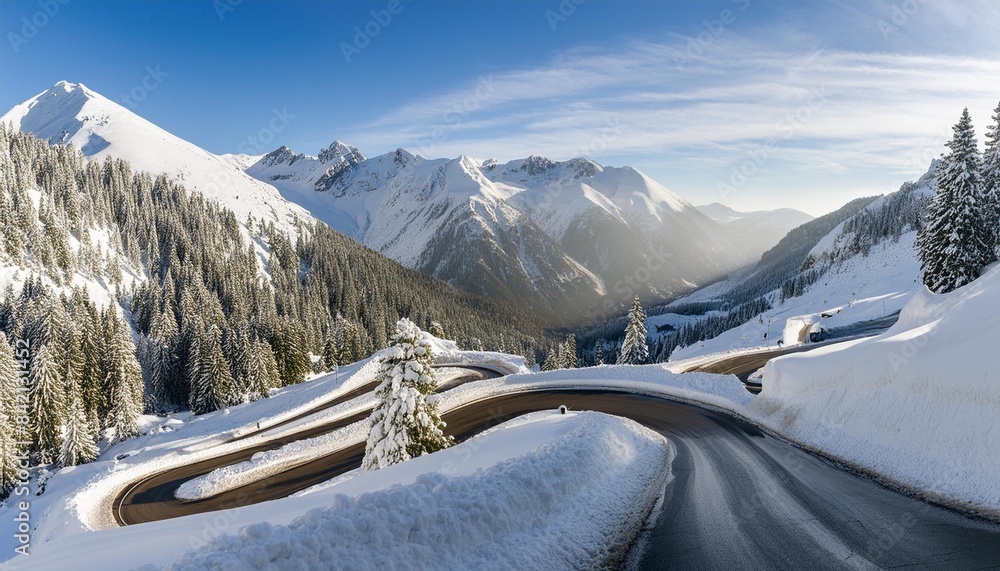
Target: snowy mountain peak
(58, 112)
(721, 213)
(404, 157)
(340, 150)
(72, 88)
(535, 165)
(283, 156)
(71, 113)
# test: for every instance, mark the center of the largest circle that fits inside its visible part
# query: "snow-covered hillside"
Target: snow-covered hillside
(864, 270)
(99, 127)
(917, 404)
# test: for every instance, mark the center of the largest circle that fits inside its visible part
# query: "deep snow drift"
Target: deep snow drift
(919, 404)
(569, 490)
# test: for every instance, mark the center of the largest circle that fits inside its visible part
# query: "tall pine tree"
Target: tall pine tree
(123, 383)
(8, 411)
(954, 244)
(551, 362)
(48, 405)
(599, 352)
(212, 382)
(635, 347)
(569, 355)
(991, 182)
(78, 445)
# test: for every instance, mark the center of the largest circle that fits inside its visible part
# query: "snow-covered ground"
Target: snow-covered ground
(918, 405)
(75, 499)
(722, 392)
(860, 289)
(569, 490)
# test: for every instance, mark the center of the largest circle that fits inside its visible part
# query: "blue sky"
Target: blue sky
(753, 103)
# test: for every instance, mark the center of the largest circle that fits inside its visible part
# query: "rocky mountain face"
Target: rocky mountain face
(569, 239)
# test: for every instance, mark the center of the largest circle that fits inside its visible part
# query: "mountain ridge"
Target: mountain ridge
(568, 240)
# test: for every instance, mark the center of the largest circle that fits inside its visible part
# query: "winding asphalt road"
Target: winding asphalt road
(739, 499)
(152, 498)
(743, 365)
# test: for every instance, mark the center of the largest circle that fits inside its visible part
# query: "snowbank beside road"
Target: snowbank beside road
(567, 490)
(724, 392)
(918, 405)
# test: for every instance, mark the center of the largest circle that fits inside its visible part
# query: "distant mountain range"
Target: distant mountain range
(758, 230)
(568, 240)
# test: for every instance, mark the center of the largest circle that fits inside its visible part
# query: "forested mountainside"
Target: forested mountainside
(786, 271)
(221, 309)
(554, 237)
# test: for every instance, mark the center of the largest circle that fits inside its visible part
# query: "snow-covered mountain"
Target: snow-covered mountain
(99, 127)
(759, 230)
(565, 239)
(564, 236)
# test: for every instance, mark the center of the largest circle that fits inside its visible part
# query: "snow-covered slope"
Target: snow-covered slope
(567, 236)
(918, 404)
(571, 490)
(864, 270)
(99, 127)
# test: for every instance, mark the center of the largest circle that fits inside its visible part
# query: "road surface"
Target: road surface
(739, 499)
(743, 365)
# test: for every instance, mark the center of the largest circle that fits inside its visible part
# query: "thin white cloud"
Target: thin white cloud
(830, 111)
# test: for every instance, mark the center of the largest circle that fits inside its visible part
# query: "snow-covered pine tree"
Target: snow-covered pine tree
(9, 462)
(599, 352)
(212, 381)
(991, 181)
(262, 371)
(569, 355)
(331, 353)
(954, 245)
(48, 405)
(476, 344)
(78, 445)
(237, 348)
(92, 375)
(635, 347)
(123, 384)
(162, 331)
(291, 352)
(8, 434)
(551, 362)
(405, 422)
(437, 330)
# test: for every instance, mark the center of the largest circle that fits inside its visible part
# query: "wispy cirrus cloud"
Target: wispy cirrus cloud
(831, 111)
